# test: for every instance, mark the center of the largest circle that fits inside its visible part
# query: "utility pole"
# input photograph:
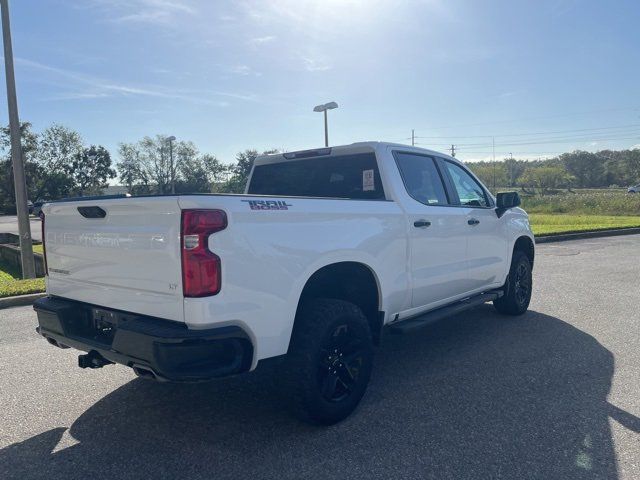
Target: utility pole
(172, 169)
(511, 169)
(493, 144)
(453, 150)
(413, 137)
(20, 184)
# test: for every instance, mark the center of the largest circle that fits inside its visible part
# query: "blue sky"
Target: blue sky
(231, 75)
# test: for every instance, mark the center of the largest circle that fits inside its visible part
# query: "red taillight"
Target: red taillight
(201, 273)
(44, 244)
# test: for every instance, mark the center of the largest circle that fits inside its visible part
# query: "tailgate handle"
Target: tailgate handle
(92, 212)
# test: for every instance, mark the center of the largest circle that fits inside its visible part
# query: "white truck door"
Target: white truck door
(437, 233)
(486, 240)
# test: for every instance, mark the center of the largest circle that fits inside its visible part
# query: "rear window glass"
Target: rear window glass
(341, 176)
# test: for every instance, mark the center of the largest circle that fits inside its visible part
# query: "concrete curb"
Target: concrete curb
(563, 237)
(20, 300)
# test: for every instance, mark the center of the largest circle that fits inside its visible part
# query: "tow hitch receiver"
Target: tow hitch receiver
(92, 360)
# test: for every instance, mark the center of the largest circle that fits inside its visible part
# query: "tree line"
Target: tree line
(578, 169)
(161, 165)
(58, 164)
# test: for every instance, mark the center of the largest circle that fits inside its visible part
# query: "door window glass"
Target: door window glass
(421, 178)
(470, 193)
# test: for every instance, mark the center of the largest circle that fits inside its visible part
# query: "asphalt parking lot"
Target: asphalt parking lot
(9, 224)
(554, 394)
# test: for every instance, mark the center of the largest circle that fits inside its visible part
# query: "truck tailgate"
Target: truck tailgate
(125, 257)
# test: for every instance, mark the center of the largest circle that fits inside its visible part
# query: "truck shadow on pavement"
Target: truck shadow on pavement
(475, 396)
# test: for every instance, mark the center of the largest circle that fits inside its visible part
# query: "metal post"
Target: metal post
(511, 179)
(493, 144)
(326, 130)
(173, 172)
(413, 137)
(20, 185)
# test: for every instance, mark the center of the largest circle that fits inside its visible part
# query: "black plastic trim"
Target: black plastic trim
(169, 349)
(92, 212)
(427, 318)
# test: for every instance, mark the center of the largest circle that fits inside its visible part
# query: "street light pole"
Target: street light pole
(172, 168)
(326, 130)
(324, 108)
(20, 184)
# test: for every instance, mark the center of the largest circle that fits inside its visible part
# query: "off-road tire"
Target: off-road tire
(329, 361)
(517, 289)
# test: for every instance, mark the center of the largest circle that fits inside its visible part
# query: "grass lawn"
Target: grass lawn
(10, 283)
(544, 224)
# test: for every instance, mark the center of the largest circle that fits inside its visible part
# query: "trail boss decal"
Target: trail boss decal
(268, 204)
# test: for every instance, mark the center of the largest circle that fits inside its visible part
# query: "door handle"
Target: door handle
(473, 221)
(421, 224)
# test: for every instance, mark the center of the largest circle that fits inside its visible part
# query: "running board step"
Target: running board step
(428, 318)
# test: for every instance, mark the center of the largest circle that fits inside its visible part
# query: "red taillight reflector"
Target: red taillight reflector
(44, 244)
(201, 271)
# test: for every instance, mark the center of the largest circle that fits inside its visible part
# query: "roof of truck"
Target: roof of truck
(368, 145)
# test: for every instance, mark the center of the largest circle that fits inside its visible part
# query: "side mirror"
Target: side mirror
(505, 201)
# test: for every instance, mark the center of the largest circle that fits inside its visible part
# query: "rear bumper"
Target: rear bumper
(167, 349)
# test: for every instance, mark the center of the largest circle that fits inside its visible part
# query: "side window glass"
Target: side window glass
(469, 191)
(421, 178)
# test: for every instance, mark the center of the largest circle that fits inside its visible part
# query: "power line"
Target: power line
(603, 136)
(551, 141)
(532, 133)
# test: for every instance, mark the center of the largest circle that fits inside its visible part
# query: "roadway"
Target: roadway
(9, 224)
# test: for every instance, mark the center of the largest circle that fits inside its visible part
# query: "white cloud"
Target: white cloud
(244, 70)
(90, 87)
(315, 64)
(159, 12)
(262, 40)
(241, 69)
(79, 96)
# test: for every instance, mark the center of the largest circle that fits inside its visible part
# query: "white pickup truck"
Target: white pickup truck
(325, 251)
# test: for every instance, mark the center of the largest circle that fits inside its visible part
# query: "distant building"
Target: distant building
(115, 190)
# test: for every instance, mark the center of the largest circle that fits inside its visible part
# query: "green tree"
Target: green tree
(58, 146)
(490, 173)
(130, 169)
(244, 163)
(242, 169)
(545, 178)
(161, 161)
(193, 172)
(631, 167)
(217, 172)
(33, 173)
(155, 161)
(91, 170)
(587, 168)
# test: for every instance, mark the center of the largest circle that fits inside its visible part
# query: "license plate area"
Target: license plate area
(105, 324)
